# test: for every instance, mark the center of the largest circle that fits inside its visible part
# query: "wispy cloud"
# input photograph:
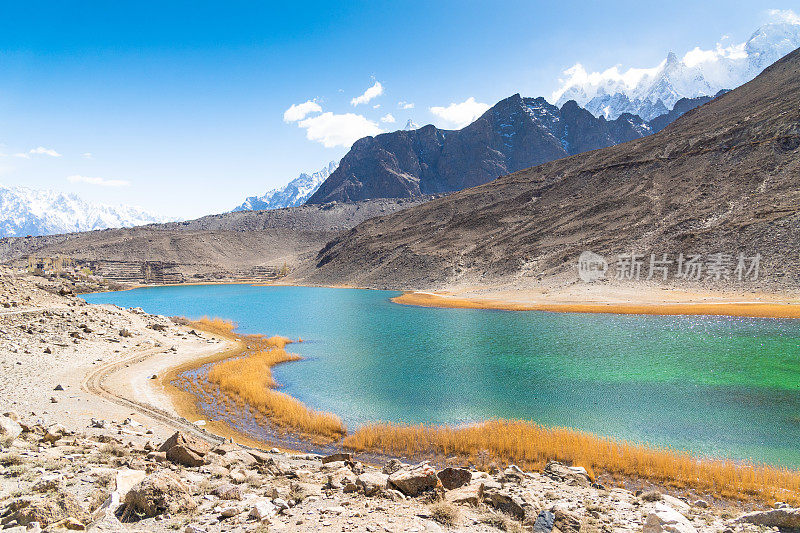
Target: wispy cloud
(86, 155)
(388, 118)
(402, 104)
(300, 111)
(784, 15)
(371, 93)
(333, 130)
(39, 150)
(102, 182)
(458, 115)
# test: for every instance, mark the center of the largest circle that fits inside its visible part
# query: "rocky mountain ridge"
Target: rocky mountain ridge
(294, 193)
(723, 178)
(515, 133)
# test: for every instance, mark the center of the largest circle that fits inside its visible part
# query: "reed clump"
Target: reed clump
(248, 381)
(216, 326)
(531, 445)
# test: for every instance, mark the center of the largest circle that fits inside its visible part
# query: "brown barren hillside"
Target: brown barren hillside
(225, 246)
(725, 177)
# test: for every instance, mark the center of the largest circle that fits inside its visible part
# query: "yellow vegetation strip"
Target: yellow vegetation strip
(745, 309)
(531, 446)
(241, 378)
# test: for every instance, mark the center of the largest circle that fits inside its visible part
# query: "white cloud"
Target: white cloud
(376, 106)
(405, 105)
(388, 119)
(459, 115)
(98, 181)
(371, 93)
(86, 155)
(300, 111)
(338, 129)
(40, 150)
(784, 15)
(698, 57)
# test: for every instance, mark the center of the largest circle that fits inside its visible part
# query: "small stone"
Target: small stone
(9, 427)
(372, 482)
(345, 457)
(665, 519)
(263, 510)
(58, 387)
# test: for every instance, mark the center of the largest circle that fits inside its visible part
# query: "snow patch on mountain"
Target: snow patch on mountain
(25, 211)
(411, 125)
(294, 193)
(649, 92)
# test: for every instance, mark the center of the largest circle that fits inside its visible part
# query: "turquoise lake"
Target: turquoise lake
(718, 386)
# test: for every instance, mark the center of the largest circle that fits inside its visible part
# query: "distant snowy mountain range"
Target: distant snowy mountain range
(651, 92)
(294, 193)
(26, 211)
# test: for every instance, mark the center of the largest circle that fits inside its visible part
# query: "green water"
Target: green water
(718, 386)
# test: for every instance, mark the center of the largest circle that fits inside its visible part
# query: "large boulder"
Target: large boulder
(158, 493)
(372, 482)
(572, 475)
(665, 519)
(469, 495)
(54, 433)
(46, 511)
(185, 449)
(453, 478)
(507, 502)
(786, 517)
(411, 481)
(9, 428)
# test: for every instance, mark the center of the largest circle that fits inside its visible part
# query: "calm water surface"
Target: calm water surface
(718, 386)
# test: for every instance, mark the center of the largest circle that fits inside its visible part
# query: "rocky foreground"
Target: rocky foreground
(118, 480)
(87, 443)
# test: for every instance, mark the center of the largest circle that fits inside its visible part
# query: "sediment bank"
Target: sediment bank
(722, 308)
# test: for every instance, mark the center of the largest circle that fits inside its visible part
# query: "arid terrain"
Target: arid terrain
(88, 441)
(245, 245)
(723, 178)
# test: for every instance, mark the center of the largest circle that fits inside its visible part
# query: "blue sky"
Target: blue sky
(179, 107)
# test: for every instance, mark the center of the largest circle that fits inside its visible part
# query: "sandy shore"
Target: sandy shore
(587, 298)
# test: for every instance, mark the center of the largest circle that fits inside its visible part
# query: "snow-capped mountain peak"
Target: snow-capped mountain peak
(649, 92)
(25, 211)
(294, 193)
(410, 125)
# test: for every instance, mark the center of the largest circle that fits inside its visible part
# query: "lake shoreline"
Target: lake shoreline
(606, 301)
(382, 440)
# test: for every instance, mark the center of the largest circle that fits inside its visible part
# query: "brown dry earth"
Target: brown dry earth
(86, 455)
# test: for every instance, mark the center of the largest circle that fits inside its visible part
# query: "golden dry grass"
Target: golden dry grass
(766, 309)
(531, 445)
(248, 380)
(216, 326)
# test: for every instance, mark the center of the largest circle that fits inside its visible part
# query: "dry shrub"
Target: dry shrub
(445, 513)
(216, 326)
(531, 445)
(500, 521)
(248, 380)
(9, 459)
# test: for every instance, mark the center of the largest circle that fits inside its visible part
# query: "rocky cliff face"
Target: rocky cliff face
(721, 178)
(516, 133)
